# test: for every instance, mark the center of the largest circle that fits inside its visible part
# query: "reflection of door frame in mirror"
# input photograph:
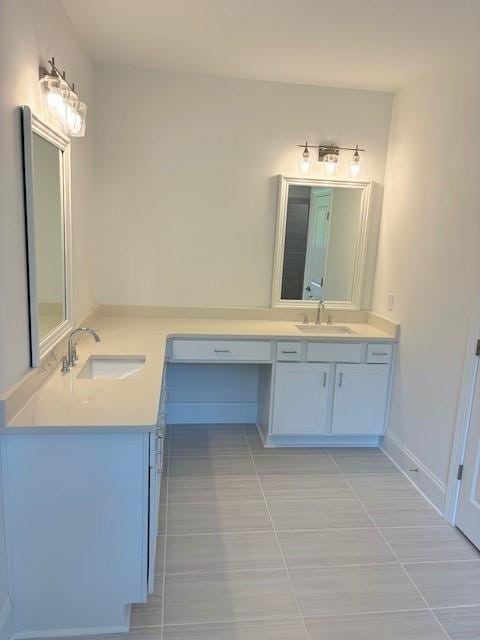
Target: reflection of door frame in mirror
(34, 124)
(361, 246)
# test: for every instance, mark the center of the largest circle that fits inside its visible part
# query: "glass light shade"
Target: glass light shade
(355, 164)
(305, 161)
(53, 91)
(76, 117)
(330, 162)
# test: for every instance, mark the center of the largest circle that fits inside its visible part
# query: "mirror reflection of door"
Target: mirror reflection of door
(322, 225)
(317, 243)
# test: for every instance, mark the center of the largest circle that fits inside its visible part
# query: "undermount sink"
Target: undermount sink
(114, 367)
(325, 329)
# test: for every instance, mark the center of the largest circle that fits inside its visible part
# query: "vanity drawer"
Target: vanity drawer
(221, 350)
(334, 352)
(289, 351)
(379, 353)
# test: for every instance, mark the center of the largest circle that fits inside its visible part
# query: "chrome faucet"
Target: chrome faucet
(320, 308)
(71, 359)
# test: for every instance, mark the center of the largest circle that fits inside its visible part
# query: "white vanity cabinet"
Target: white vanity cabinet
(331, 389)
(301, 398)
(360, 398)
(81, 512)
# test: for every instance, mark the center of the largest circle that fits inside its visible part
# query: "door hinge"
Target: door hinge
(321, 282)
(477, 351)
(460, 472)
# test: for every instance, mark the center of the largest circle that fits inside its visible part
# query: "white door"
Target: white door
(360, 398)
(300, 400)
(468, 513)
(317, 240)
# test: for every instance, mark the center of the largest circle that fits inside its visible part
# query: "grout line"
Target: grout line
(395, 555)
(278, 542)
(312, 530)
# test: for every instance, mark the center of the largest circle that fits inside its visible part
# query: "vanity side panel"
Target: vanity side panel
(76, 517)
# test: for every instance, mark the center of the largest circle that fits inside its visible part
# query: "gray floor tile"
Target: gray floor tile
(256, 630)
(389, 485)
(222, 597)
(148, 614)
(402, 512)
(223, 552)
(212, 489)
(305, 487)
(160, 556)
(417, 544)
(211, 517)
(338, 590)
(364, 463)
(318, 514)
(461, 623)
(212, 466)
(447, 584)
(337, 452)
(408, 625)
(294, 464)
(334, 547)
(187, 448)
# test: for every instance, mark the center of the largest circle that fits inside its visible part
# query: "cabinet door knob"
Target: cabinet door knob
(222, 350)
(285, 351)
(340, 379)
(325, 379)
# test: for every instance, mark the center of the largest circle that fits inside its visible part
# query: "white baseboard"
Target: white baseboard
(6, 622)
(426, 482)
(211, 412)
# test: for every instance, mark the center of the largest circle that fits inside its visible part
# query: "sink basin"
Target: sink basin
(116, 367)
(324, 329)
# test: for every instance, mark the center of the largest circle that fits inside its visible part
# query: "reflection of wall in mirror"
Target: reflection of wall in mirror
(49, 246)
(343, 235)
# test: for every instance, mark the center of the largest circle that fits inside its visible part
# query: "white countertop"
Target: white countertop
(65, 400)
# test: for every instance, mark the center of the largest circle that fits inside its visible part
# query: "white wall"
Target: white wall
(429, 252)
(31, 31)
(188, 169)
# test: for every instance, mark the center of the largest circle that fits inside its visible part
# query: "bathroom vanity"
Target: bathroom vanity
(82, 524)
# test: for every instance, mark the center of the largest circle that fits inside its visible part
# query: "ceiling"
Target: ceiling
(369, 44)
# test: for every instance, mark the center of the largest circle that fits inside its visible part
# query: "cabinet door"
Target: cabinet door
(301, 399)
(360, 398)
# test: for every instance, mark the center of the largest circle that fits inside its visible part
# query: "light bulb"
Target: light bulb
(305, 163)
(355, 164)
(330, 162)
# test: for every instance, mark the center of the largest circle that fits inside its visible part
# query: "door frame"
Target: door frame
(470, 376)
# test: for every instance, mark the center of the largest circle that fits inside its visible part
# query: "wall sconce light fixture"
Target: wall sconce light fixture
(328, 155)
(61, 101)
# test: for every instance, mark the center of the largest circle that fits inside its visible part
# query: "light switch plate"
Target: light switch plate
(390, 301)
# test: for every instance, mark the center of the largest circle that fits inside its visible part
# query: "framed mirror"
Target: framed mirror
(46, 161)
(320, 243)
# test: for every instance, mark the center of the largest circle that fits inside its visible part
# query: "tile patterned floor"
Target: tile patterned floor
(311, 544)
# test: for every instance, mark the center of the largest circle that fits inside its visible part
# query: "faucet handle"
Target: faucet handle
(304, 318)
(65, 366)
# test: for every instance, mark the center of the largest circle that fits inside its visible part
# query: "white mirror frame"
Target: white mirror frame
(360, 253)
(33, 123)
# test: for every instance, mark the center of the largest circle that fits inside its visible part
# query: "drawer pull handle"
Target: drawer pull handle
(379, 353)
(324, 379)
(285, 351)
(340, 379)
(222, 350)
